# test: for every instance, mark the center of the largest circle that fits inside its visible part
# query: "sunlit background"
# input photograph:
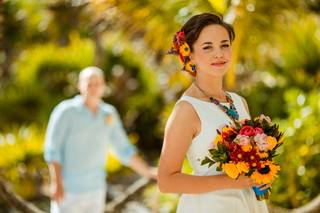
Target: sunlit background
(44, 44)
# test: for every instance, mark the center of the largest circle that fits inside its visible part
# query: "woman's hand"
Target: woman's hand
(265, 186)
(243, 182)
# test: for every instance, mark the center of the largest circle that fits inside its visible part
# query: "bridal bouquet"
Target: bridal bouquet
(248, 148)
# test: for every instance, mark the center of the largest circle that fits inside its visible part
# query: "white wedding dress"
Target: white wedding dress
(219, 201)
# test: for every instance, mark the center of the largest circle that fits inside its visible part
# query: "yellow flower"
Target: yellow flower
(263, 154)
(184, 49)
(226, 129)
(231, 170)
(272, 142)
(266, 174)
(188, 66)
(108, 119)
(217, 140)
(246, 148)
(242, 167)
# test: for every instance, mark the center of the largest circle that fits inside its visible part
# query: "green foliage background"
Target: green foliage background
(44, 45)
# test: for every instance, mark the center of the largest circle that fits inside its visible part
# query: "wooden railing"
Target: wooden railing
(16, 202)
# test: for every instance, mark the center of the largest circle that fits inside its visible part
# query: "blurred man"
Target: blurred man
(77, 139)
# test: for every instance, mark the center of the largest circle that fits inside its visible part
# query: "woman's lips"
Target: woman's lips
(219, 63)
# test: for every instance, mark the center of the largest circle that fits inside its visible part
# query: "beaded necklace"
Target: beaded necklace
(231, 112)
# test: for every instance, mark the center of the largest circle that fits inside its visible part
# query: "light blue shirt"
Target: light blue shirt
(79, 140)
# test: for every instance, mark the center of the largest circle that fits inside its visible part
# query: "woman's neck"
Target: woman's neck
(211, 86)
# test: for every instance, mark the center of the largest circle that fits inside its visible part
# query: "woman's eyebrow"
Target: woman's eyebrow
(207, 42)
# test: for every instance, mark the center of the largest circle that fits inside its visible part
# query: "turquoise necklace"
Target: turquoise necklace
(230, 111)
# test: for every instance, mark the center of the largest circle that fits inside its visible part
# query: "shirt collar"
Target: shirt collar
(79, 101)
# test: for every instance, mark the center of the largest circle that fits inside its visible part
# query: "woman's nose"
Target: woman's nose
(218, 54)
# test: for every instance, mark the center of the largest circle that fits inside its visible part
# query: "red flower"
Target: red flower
(252, 158)
(181, 38)
(258, 130)
(247, 130)
(237, 154)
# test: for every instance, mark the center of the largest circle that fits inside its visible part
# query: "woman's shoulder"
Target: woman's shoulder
(183, 107)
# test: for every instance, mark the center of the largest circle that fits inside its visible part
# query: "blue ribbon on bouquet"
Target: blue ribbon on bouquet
(261, 194)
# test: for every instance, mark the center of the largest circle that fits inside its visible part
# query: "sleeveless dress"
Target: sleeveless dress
(218, 201)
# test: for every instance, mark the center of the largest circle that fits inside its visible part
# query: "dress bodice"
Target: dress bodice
(211, 118)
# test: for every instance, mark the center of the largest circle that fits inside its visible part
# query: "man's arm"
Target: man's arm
(142, 168)
(55, 136)
(126, 152)
(56, 181)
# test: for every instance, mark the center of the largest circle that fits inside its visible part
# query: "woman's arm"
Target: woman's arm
(182, 126)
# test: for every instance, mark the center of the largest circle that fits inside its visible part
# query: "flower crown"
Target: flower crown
(181, 48)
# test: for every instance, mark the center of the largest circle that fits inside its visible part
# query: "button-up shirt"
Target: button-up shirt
(79, 141)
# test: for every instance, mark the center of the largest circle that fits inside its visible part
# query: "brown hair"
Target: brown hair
(193, 27)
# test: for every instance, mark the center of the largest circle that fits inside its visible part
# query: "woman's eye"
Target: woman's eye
(207, 47)
(225, 45)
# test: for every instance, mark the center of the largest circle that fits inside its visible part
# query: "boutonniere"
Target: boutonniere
(108, 119)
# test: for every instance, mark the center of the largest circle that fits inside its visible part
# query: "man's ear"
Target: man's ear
(79, 86)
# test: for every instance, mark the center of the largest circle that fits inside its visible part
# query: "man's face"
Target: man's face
(92, 86)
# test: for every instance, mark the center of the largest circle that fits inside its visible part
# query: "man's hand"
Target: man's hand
(141, 167)
(57, 192)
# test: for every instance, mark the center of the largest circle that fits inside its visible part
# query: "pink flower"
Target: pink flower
(261, 141)
(258, 130)
(247, 130)
(242, 140)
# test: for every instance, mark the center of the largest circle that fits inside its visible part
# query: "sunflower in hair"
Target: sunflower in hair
(184, 49)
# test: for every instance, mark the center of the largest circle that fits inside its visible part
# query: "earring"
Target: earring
(193, 68)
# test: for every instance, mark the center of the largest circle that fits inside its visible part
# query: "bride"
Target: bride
(204, 47)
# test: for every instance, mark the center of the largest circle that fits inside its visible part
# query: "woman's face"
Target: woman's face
(212, 51)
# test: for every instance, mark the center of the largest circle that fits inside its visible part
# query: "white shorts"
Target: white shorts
(85, 202)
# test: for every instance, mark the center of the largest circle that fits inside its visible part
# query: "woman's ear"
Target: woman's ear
(192, 58)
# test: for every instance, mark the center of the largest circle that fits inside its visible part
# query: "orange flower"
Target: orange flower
(242, 167)
(108, 119)
(246, 148)
(263, 154)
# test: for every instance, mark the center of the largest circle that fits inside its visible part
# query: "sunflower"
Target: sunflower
(184, 49)
(231, 170)
(266, 173)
